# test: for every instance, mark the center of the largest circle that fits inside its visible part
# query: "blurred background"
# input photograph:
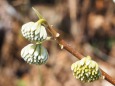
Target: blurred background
(87, 25)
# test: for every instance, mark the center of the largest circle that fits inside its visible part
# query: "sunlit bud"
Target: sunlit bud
(86, 70)
(34, 54)
(34, 32)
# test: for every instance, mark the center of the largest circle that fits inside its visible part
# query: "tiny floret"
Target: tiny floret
(34, 54)
(86, 70)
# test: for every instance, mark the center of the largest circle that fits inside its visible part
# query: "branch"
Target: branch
(67, 47)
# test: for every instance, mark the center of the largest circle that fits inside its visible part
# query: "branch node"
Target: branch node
(61, 46)
(48, 38)
(57, 34)
(103, 77)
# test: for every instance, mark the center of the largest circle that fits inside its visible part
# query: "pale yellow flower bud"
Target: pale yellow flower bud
(86, 70)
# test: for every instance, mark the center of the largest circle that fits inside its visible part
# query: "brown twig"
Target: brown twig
(67, 47)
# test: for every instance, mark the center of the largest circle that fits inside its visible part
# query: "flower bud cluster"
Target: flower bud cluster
(34, 53)
(86, 70)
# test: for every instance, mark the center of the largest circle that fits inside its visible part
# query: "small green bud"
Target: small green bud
(86, 70)
(34, 32)
(34, 54)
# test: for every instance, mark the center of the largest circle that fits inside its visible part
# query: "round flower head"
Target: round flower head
(34, 32)
(34, 54)
(86, 70)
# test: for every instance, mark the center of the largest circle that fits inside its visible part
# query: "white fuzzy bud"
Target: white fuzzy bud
(34, 32)
(34, 54)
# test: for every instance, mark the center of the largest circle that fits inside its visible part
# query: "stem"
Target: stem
(37, 13)
(40, 21)
(67, 47)
(40, 76)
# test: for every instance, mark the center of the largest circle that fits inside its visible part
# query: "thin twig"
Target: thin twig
(67, 47)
